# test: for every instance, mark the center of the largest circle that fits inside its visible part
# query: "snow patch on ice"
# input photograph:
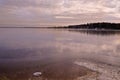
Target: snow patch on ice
(106, 72)
(37, 74)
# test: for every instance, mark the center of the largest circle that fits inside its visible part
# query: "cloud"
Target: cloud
(57, 11)
(64, 17)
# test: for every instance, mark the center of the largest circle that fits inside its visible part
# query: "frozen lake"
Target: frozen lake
(59, 54)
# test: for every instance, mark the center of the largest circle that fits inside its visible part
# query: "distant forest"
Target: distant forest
(103, 25)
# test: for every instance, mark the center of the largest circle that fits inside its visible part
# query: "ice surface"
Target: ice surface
(106, 72)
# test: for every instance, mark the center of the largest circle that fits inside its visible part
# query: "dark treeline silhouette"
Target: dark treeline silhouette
(103, 25)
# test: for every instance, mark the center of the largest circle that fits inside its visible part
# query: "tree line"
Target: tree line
(102, 25)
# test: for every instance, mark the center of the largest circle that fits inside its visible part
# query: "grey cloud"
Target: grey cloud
(34, 3)
(110, 4)
(58, 11)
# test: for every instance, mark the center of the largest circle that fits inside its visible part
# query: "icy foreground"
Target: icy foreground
(105, 72)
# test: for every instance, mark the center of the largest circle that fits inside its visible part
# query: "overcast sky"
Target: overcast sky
(57, 12)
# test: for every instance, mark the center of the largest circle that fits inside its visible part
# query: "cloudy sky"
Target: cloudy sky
(57, 12)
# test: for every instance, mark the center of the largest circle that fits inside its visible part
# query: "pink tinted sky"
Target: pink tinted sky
(57, 12)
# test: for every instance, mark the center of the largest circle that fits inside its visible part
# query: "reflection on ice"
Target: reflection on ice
(96, 32)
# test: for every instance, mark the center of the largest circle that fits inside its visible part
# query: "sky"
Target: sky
(57, 12)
